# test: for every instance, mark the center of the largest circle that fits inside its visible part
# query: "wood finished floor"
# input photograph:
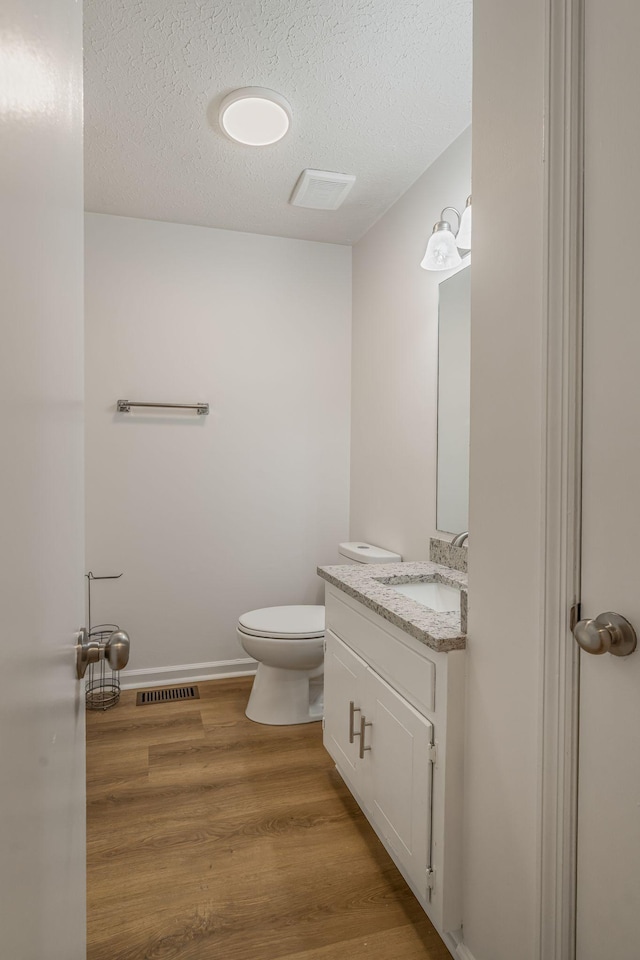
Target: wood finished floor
(214, 838)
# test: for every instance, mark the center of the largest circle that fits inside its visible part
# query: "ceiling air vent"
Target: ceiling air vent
(321, 189)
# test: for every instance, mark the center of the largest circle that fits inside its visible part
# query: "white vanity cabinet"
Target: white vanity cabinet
(382, 746)
(393, 725)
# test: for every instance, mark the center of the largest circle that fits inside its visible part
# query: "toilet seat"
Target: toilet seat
(284, 623)
(288, 645)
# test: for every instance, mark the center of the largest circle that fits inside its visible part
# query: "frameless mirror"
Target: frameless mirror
(454, 330)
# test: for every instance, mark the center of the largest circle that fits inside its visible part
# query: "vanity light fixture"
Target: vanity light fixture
(443, 248)
(463, 239)
(255, 116)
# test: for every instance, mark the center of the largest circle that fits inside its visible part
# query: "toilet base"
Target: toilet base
(282, 697)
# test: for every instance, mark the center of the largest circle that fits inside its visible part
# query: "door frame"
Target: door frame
(562, 453)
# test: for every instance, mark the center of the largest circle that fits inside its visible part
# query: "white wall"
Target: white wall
(393, 448)
(395, 363)
(454, 402)
(211, 516)
(42, 769)
(505, 592)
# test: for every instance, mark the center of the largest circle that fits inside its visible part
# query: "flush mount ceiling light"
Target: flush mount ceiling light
(443, 248)
(255, 116)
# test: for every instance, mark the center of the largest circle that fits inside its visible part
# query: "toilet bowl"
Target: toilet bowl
(288, 643)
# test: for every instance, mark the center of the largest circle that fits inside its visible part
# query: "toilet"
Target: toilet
(288, 644)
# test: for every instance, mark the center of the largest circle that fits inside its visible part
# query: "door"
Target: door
(42, 896)
(344, 686)
(397, 750)
(608, 882)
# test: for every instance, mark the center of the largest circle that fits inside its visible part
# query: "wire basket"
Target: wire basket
(102, 688)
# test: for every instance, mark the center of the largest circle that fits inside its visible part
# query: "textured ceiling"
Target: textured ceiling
(378, 88)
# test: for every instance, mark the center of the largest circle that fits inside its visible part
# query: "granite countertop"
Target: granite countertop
(440, 631)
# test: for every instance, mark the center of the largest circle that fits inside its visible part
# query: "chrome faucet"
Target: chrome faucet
(459, 539)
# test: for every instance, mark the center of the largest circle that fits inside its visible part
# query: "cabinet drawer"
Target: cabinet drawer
(409, 672)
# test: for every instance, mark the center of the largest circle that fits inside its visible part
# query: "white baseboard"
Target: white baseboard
(186, 673)
(455, 946)
(464, 953)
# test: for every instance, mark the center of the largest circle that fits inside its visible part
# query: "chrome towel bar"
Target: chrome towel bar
(124, 406)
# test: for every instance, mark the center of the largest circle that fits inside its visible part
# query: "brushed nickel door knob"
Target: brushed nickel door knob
(87, 651)
(607, 633)
(116, 650)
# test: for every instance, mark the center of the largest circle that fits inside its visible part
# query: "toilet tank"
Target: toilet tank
(357, 552)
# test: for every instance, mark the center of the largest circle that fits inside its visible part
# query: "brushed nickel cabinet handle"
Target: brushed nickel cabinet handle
(364, 723)
(352, 712)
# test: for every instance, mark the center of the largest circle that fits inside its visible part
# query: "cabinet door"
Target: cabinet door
(399, 778)
(344, 675)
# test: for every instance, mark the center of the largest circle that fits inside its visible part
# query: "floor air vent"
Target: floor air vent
(166, 694)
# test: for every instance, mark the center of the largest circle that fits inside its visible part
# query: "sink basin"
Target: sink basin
(439, 597)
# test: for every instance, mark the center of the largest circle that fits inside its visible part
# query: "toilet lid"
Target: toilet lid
(297, 622)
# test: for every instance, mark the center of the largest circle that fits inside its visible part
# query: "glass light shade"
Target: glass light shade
(463, 238)
(441, 252)
(255, 116)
